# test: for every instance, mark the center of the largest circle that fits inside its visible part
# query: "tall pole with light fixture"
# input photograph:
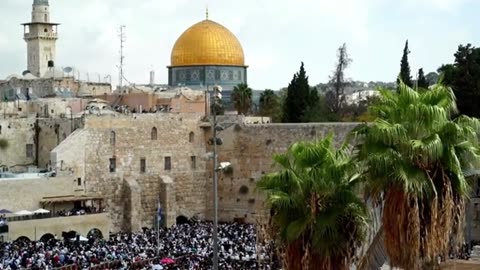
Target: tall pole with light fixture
(217, 96)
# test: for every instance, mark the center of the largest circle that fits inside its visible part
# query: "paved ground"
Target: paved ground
(462, 265)
(452, 265)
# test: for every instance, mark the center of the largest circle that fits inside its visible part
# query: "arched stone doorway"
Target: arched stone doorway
(182, 220)
(23, 239)
(47, 237)
(95, 234)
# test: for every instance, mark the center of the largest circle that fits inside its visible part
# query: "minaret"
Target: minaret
(41, 36)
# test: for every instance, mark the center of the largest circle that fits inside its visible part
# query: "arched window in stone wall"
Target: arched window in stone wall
(113, 138)
(153, 134)
(191, 137)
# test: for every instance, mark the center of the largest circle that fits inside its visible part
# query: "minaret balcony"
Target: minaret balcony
(28, 36)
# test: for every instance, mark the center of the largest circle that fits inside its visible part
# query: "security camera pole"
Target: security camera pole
(217, 96)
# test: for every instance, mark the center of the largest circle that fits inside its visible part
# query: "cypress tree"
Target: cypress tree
(422, 81)
(405, 68)
(298, 96)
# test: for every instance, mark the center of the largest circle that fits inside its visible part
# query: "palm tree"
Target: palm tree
(413, 155)
(242, 98)
(317, 217)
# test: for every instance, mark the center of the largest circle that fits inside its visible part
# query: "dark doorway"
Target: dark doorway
(47, 237)
(182, 220)
(95, 233)
(23, 239)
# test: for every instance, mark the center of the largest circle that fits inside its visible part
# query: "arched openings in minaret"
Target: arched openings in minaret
(46, 17)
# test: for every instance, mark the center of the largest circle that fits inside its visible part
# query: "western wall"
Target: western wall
(80, 150)
(250, 149)
(185, 189)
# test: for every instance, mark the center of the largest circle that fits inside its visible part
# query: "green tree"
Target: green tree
(421, 80)
(269, 104)
(3, 144)
(319, 111)
(297, 100)
(448, 73)
(242, 98)
(405, 68)
(413, 155)
(464, 78)
(338, 80)
(317, 216)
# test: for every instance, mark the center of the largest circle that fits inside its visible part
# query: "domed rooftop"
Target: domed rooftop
(207, 43)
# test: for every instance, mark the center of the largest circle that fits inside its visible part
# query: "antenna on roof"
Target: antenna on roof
(122, 57)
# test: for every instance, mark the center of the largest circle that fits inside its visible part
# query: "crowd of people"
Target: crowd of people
(186, 246)
(3, 220)
(79, 211)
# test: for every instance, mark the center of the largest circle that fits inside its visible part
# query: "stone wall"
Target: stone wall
(42, 134)
(133, 142)
(50, 87)
(250, 148)
(19, 133)
(36, 228)
(25, 194)
(53, 131)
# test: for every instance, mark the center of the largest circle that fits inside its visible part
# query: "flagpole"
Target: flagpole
(158, 227)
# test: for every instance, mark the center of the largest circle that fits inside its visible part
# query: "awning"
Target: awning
(41, 211)
(71, 198)
(23, 213)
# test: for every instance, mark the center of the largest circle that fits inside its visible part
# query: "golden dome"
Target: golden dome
(207, 43)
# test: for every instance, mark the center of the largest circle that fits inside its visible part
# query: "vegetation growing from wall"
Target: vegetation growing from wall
(3, 144)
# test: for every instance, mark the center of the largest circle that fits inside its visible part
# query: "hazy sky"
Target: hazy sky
(276, 35)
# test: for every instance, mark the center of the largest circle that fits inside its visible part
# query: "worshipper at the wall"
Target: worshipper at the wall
(186, 246)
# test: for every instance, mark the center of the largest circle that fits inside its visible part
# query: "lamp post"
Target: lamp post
(217, 96)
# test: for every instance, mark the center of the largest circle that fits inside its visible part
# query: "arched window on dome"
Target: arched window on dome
(113, 138)
(153, 134)
(191, 137)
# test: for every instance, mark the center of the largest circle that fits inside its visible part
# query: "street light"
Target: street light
(217, 97)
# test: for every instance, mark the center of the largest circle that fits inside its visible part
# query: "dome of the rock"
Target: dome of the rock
(207, 43)
(207, 54)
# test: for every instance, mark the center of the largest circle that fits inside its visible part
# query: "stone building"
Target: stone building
(146, 99)
(41, 36)
(17, 87)
(42, 78)
(136, 160)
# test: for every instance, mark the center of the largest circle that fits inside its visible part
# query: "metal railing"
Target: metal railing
(49, 215)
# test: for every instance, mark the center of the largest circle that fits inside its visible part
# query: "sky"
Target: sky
(276, 35)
